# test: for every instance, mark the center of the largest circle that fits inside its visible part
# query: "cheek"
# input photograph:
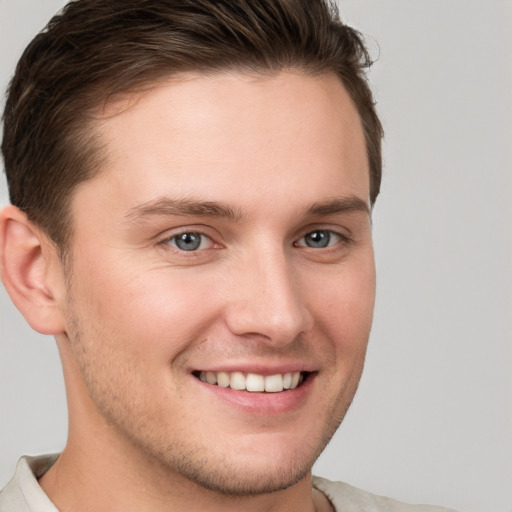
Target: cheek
(138, 310)
(344, 307)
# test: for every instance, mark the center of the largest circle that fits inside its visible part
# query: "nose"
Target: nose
(266, 300)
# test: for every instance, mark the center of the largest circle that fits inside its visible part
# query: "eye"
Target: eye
(190, 241)
(319, 239)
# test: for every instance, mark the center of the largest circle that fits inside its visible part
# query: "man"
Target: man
(191, 186)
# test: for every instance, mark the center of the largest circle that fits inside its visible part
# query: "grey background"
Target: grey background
(432, 421)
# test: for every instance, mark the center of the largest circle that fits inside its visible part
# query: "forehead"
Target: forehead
(233, 133)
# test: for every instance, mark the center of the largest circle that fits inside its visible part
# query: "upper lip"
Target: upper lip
(259, 369)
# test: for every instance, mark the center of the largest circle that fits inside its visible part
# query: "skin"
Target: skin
(135, 316)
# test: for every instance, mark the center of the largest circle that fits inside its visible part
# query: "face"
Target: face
(221, 285)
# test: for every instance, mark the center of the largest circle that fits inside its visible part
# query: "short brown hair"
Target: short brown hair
(94, 49)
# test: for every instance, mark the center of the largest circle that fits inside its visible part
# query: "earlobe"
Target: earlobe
(28, 262)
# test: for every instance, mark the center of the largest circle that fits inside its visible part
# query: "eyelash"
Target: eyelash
(181, 236)
(173, 241)
(329, 233)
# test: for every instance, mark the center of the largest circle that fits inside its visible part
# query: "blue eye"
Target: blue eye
(190, 241)
(319, 239)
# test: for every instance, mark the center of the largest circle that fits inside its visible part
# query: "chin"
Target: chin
(247, 481)
(260, 467)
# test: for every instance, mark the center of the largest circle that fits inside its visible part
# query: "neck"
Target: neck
(79, 482)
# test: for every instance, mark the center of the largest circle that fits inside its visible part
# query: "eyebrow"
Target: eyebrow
(339, 205)
(165, 206)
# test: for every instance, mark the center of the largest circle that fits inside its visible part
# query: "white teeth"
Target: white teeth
(237, 381)
(274, 383)
(253, 382)
(223, 379)
(211, 378)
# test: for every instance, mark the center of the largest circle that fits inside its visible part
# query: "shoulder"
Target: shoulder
(347, 498)
(22, 493)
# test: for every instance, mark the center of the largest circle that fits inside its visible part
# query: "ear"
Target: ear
(31, 272)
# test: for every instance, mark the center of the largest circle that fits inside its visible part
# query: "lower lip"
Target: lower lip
(263, 403)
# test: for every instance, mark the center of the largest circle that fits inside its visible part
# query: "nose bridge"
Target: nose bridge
(267, 301)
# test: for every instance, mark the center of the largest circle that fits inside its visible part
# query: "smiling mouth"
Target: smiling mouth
(253, 382)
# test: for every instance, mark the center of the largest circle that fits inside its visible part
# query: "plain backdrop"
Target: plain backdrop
(432, 420)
